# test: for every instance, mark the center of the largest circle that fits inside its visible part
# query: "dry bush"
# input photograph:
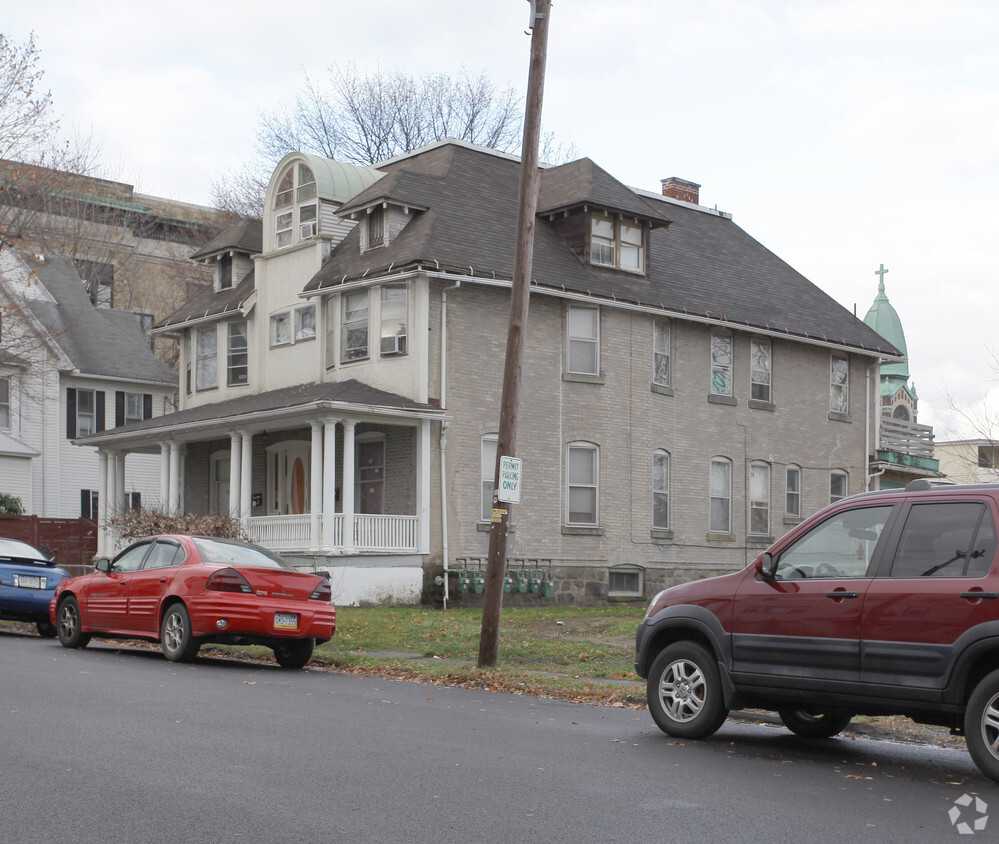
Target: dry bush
(134, 524)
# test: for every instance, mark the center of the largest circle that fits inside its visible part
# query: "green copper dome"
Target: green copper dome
(883, 318)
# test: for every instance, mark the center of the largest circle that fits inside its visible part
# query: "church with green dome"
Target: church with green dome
(904, 450)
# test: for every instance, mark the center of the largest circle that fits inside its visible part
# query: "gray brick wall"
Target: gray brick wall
(621, 413)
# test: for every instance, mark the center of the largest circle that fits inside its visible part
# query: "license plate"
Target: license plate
(30, 581)
(285, 621)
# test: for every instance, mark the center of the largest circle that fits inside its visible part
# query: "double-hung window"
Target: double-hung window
(660, 490)
(487, 471)
(837, 485)
(760, 361)
(206, 368)
(376, 227)
(721, 363)
(583, 335)
(281, 328)
(660, 353)
(395, 318)
(759, 499)
(237, 357)
(792, 489)
(582, 476)
(839, 384)
(720, 519)
(617, 242)
(354, 326)
(305, 323)
(4, 402)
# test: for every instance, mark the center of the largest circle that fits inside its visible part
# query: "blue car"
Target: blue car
(27, 583)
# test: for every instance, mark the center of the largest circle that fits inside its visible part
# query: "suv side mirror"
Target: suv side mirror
(103, 564)
(766, 566)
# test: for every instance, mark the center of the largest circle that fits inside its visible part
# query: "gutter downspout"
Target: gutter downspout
(443, 440)
(867, 428)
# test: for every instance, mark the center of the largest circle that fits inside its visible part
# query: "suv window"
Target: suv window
(841, 546)
(946, 540)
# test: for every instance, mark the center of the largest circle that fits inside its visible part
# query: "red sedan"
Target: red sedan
(186, 591)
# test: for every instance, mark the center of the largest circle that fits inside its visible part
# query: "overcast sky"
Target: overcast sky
(841, 135)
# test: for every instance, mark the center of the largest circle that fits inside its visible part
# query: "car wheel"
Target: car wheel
(68, 624)
(175, 635)
(981, 725)
(684, 691)
(815, 723)
(46, 629)
(295, 653)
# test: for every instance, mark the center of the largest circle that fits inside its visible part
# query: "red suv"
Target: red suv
(885, 603)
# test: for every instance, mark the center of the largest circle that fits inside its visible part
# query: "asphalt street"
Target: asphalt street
(116, 744)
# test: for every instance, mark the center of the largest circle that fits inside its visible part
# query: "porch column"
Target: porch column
(119, 483)
(165, 477)
(315, 484)
(174, 506)
(235, 475)
(423, 486)
(329, 483)
(111, 510)
(182, 478)
(347, 494)
(103, 543)
(245, 479)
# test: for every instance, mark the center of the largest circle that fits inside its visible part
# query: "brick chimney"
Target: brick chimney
(676, 188)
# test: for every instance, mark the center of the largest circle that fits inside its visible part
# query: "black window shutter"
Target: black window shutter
(85, 504)
(99, 410)
(70, 413)
(147, 405)
(119, 408)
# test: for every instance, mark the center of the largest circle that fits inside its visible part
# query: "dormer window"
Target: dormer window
(376, 227)
(617, 242)
(296, 207)
(224, 265)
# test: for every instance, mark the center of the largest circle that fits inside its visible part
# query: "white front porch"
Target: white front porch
(365, 534)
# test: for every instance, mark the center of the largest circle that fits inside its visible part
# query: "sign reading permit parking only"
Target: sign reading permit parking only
(509, 479)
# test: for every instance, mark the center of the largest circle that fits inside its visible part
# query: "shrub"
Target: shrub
(134, 524)
(11, 505)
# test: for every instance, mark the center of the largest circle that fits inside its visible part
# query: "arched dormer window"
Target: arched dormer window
(296, 206)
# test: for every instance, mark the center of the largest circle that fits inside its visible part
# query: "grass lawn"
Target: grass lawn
(568, 652)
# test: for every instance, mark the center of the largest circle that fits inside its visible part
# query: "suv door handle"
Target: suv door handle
(842, 594)
(976, 595)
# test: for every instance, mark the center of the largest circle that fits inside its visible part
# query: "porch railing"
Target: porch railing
(906, 437)
(371, 533)
(385, 533)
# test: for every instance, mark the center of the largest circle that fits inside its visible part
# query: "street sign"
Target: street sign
(509, 479)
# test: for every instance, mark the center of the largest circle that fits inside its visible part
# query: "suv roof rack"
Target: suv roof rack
(927, 483)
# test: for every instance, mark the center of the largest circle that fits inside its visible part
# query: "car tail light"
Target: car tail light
(323, 592)
(228, 580)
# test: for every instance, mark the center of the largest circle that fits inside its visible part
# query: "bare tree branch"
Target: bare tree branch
(363, 118)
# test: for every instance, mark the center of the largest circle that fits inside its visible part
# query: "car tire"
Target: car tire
(684, 691)
(175, 635)
(294, 653)
(981, 725)
(815, 723)
(46, 629)
(69, 624)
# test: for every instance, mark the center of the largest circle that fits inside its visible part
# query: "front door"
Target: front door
(805, 624)
(371, 476)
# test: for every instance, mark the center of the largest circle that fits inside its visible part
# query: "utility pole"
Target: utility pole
(527, 207)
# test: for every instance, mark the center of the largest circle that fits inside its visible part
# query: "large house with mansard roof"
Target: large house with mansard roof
(688, 396)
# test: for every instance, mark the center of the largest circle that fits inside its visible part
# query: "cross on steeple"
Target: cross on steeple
(880, 273)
